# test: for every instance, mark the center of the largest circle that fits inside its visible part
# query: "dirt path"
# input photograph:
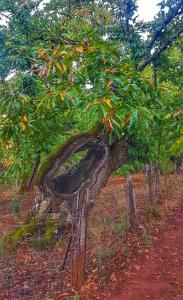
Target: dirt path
(158, 275)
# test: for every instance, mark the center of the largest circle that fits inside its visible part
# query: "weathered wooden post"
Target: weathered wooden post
(79, 236)
(131, 203)
(149, 174)
(157, 180)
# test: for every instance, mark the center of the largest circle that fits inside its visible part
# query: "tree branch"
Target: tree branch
(160, 50)
(172, 13)
(5, 16)
(127, 17)
(38, 3)
(120, 15)
(36, 166)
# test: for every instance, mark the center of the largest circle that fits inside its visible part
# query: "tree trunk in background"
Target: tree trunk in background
(27, 184)
(179, 165)
(150, 181)
(131, 203)
(35, 169)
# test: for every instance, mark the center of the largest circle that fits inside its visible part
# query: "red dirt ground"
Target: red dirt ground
(159, 275)
(153, 271)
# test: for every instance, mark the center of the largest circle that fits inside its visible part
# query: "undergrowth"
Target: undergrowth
(39, 236)
(153, 211)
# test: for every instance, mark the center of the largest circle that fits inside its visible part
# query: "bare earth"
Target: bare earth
(160, 273)
(153, 271)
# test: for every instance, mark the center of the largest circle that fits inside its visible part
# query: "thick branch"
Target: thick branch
(120, 15)
(173, 12)
(157, 53)
(57, 158)
(91, 173)
(127, 18)
(124, 17)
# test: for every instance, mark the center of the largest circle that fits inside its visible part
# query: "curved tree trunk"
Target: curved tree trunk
(178, 165)
(70, 196)
(57, 195)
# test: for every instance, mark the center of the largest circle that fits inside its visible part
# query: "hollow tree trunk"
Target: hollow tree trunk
(58, 194)
(63, 196)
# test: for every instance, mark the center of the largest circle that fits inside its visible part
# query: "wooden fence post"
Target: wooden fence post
(157, 180)
(149, 174)
(132, 220)
(79, 236)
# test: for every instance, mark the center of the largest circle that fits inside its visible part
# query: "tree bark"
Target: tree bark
(28, 183)
(58, 194)
(71, 195)
(32, 178)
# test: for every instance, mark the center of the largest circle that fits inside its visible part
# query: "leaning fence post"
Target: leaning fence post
(157, 180)
(131, 203)
(149, 174)
(79, 233)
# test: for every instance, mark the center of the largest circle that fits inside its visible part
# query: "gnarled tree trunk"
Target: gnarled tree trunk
(58, 194)
(63, 195)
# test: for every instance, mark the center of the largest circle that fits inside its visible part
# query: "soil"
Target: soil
(158, 274)
(141, 266)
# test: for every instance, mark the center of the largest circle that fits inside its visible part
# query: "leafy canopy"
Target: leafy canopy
(89, 61)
